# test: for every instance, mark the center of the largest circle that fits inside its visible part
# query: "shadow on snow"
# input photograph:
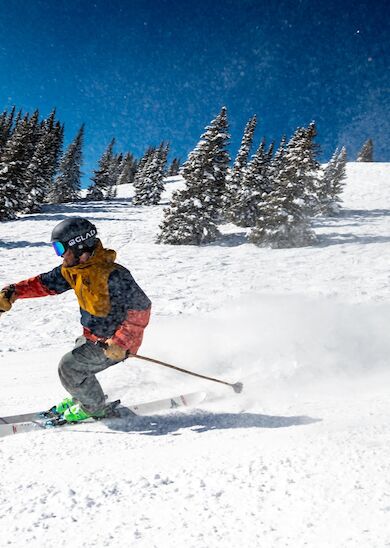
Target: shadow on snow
(22, 243)
(161, 425)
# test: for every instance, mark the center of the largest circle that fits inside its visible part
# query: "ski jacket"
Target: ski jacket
(112, 305)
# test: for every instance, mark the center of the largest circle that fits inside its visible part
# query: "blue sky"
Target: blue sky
(144, 71)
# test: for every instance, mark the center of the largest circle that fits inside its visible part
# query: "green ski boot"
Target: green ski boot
(77, 413)
(59, 409)
(64, 405)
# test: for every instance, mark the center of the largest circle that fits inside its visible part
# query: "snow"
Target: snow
(300, 458)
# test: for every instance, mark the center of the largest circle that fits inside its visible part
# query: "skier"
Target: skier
(114, 312)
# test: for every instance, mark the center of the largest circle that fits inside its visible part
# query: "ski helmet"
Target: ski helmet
(75, 233)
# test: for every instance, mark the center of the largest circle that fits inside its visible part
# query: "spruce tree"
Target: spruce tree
(309, 171)
(115, 171)
(340, 176)
(194, 211)
(68, 182)
(235, 178)
(127, 170)
(255, 185)
(39, 173)
(55, 130)
(332, 183)
(6, 127)
(283, 221)
(174, 168)
(102, 180)
(150, 183)
(14, 160)
(139, 175)
(207, 165)
(366, 153)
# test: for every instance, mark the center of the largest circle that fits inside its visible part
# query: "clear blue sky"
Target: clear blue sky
(143, 71)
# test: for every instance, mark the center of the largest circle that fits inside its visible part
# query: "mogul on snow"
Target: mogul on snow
(114, 313)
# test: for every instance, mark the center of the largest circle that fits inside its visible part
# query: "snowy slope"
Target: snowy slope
(301, 458)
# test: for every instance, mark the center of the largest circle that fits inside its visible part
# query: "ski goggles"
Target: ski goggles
(59, 248)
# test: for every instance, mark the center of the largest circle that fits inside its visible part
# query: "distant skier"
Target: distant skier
(114, 311)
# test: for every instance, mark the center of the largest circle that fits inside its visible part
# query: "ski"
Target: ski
(15, 424)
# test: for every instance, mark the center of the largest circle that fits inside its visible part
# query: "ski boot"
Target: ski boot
(77, 413)
(59, 409)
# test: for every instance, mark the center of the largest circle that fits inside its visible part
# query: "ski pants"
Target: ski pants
(77, 370)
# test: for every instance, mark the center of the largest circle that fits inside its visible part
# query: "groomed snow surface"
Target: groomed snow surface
(300, 458)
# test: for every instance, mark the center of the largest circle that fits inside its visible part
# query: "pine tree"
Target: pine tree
(207, 165)
(366, 154)
(139, 174)
(332, 183)
(102, 179)
(54, 148)
(14, 160)
(255, 185)
(309, 171)
(150, 183)
(235, 178)
(6, 127)
(276, 162)
(127, 170)
(340, 176)
(39, 174)
(193, 212)
(115, 171)
(174, 168)
(186, 221)
(270, 151)
(68, 182)
(283, 221)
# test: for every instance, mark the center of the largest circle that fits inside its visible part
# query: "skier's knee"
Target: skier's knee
(65, 366)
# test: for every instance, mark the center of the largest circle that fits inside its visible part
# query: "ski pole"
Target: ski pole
(237, 386)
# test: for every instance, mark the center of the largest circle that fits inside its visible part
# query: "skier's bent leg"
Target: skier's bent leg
(77, 370)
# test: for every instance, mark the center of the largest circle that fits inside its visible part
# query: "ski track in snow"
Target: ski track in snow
(300, 458)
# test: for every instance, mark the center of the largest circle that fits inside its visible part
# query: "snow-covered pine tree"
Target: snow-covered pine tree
(102, 179)
(283, 221)
(186, 221)
(309, 171)
(150, 184)
(6, 127)
(193, 212)
(34, 179)
(40, 171)
(340, 176)
(54, 131)
(332, 183)
(116, 168)
(163, 151)
(276, 162)
(146, 157)
(270, 151)
(207, 165)
(255, 185)
(174, 168)
(138, 177)
(35, 132)
(127, 169)
(366, 153)
(68, 182)
(14, 160)
(235, 177)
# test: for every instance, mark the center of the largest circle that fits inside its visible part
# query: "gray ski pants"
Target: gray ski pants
(77, 370)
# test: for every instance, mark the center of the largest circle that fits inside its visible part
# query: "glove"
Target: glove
(114, 351)
(7, 298)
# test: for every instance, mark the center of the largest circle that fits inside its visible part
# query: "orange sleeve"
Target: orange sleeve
(130, 333)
